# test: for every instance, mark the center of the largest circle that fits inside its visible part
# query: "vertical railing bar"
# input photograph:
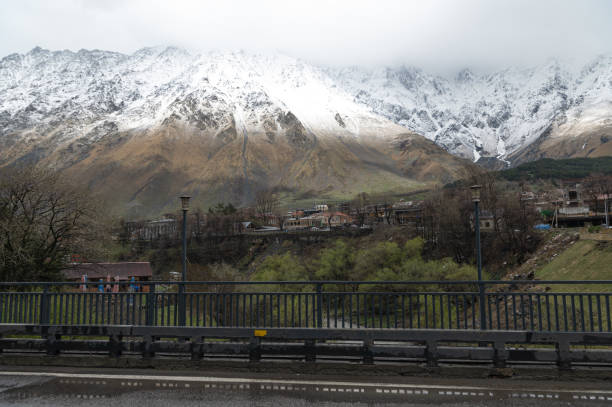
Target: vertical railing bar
(286, 310)
(565, 327)
(531, 315)
(78, 309)
(17, 308)
(197, 308)
(343, 297)
(116, 298)
(489, 310)
(418, 309)
(314, 310)
(292, 310)
(91, 308)
(17, 304)
(205, 320)
(108, 308)
(464, 306)
(426, 312)
(441, 310)
(581, 296)
(24, 307)
(591, 320)
(9, 307)
(62, 319)
(386, 296)
(212, 308)
(121, 301)
(523, 312)
(244, 310)
(540, 322)
(162, 304)
(2, 311)
(351, 296)
(179, 306)
(380, 311)
(548, 318)
(608, 312)
(299, 309)
(29, 307)
(457, 317)
(403, 310)
(335, 297)
(265, 317)
(358, 310)
(556, 305)
(20, 307)
(599, 319)
(96, 295)
(365, 309)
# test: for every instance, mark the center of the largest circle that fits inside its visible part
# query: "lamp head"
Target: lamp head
(185, 202)
(475, 193)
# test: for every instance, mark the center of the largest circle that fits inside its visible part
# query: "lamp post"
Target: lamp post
(182, 308)
(481, 288)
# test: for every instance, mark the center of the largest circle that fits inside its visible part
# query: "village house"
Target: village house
(333, 219)
(305, 222)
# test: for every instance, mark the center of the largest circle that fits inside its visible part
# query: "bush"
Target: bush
(594, 229)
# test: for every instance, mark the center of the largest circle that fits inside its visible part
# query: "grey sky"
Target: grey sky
(435, 34)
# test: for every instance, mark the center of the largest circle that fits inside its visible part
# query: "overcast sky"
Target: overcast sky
(433, 34)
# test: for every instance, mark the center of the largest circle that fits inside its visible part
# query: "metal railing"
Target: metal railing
(449, 305)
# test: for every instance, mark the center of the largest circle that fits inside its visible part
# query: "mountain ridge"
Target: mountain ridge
(148, 125)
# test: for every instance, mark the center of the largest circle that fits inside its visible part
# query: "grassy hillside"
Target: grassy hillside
(566, 168)
(584, 260)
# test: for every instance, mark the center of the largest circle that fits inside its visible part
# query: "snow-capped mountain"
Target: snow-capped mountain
(473, 116)
(162, 119)
(492, 115)
(145, 126)
(89, 89)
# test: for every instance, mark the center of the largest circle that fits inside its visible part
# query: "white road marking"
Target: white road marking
(270, 384)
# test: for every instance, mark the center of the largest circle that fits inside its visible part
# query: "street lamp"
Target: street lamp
(481, 289)
(182, 305)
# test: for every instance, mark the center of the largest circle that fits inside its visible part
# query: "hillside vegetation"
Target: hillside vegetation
(583, 260)
(558, 169)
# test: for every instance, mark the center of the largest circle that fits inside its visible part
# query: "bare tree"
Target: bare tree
(266, 203)
(359, 207)
(43, 220)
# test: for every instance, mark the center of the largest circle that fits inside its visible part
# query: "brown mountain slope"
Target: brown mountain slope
(568, 141)
(142, 173)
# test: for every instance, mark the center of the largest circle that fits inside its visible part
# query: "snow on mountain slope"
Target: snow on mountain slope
(144, 127)
(88, 88)
(486, 115)
(55, 97)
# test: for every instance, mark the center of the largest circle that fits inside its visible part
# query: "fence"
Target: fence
(508, 305)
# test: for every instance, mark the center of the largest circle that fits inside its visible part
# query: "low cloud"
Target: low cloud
(435, 34)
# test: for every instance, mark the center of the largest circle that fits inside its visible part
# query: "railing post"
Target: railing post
(182, 306)
(44, 306)
(151, 305)
(319, 305)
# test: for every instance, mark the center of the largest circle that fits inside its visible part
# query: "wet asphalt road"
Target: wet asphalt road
(53, 388)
